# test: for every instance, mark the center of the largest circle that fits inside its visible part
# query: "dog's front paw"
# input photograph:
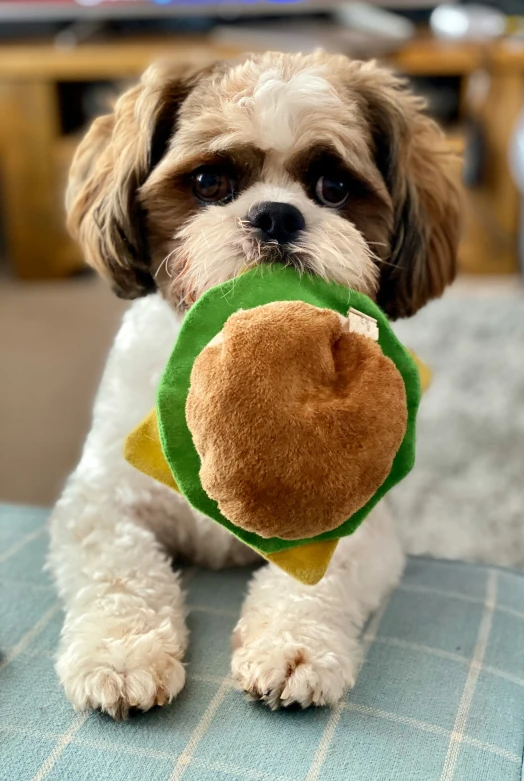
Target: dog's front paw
(113, 665)
(287, 668)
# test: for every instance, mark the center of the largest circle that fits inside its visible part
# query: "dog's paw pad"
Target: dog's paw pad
(283, 675)
(123, 672)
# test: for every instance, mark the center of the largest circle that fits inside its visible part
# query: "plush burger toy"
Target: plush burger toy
(285, 413)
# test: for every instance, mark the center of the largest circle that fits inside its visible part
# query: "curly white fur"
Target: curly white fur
(113, 533)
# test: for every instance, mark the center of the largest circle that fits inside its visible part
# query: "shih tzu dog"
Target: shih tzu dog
(317, 161)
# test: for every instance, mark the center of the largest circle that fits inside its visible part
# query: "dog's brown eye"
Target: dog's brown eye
(332, 191)
(212, 185)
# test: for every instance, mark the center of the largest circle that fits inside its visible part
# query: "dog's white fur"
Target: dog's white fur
(277, 112)
(115, 530)
(125, 634)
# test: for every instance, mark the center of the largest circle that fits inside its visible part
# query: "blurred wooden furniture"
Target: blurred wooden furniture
(35, 153)
(491, 208)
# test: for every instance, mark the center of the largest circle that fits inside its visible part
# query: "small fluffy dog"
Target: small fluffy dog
(317, 161)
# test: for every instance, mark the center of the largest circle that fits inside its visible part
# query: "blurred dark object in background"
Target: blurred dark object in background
(35, 18)
(474, 161)
(79, 102)
(442, 94)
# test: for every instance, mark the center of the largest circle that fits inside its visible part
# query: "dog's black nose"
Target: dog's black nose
(279, 222)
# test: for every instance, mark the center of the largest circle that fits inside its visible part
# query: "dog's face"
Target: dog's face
(316, 161)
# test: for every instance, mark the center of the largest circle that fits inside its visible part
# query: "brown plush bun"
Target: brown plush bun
(296, 421)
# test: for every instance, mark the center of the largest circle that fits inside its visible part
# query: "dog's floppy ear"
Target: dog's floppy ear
(112, 162)
(421, 176)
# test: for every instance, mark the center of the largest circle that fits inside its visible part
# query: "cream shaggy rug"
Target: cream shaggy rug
(465, 496)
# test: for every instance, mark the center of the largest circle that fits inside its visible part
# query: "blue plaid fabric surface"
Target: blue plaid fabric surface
(440, 696)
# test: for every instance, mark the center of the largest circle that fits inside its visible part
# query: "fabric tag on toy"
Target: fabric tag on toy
(359, 323)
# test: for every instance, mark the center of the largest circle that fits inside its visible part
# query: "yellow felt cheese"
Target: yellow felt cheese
(143, 450)
(423, 370)
(307, 563)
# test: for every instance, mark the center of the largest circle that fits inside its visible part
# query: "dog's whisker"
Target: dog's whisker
(165, 263)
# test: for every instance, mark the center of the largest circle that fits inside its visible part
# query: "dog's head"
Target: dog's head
(317, 161)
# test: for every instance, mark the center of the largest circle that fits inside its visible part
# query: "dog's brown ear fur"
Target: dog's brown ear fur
(112, 162)
(422, 178)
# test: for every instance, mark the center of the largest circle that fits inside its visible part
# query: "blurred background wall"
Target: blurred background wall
(62, 63)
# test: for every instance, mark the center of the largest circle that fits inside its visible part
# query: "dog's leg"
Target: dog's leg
(124, 634)
(300, 644)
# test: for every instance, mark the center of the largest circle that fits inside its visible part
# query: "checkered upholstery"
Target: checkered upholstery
(440, 696)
